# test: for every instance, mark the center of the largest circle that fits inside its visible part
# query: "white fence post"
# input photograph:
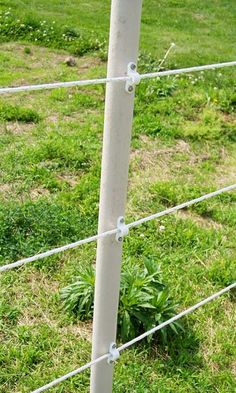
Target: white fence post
(123, 49)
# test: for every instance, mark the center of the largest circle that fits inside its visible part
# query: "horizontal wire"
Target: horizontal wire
(133, 224)
(176, 317)
(55, 85)
(136, 339)
(181, 206)
(71, 374)
(115, 230)
(57, 250)
(188, 69)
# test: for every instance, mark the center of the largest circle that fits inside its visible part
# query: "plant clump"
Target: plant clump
(144, 300)
(10, 112)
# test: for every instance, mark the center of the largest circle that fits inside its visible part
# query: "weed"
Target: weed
(78, 297)
(144, 299)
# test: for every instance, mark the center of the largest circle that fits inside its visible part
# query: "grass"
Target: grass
(183, 145)
(37, 31)
(17, 113)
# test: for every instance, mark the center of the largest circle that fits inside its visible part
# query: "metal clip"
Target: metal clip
(134, 78)
(123, 229)
(114, 354)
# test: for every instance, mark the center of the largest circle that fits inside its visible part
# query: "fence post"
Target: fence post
(123, 48)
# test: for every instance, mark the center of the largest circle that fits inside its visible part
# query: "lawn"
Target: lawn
(183, 145)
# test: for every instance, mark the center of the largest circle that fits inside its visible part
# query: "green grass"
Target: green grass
(16, 113)
(183, 145)
(31, 29)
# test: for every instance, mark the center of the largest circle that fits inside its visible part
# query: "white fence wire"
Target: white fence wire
(115, 230)
(128, 78)
(136, 339)
(88, 82)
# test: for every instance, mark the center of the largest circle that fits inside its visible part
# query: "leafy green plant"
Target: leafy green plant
(78, 297)
(144, 299)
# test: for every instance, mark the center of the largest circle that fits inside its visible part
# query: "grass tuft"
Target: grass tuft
(10, 112)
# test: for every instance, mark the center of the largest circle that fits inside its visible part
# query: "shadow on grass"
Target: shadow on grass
(179, 353)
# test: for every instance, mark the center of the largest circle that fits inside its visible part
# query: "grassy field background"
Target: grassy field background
(183, 145)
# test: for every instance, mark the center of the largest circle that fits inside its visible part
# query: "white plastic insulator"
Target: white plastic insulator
(134, 78)
(123, 229)
(114, 354)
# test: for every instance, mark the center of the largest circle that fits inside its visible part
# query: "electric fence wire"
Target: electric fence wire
(45, 254)
(115, 230)
(159, 74)
(136, 339)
